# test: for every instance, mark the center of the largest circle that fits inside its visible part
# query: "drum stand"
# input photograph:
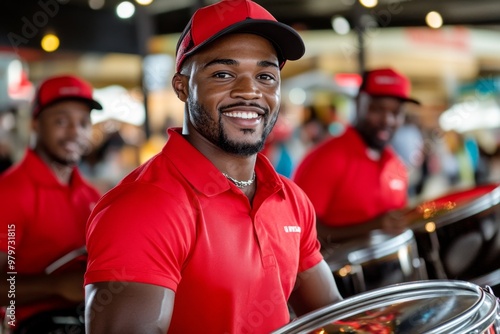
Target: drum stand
(358, 279)
(434, 258)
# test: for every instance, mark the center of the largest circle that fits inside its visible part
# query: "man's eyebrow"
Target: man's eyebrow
(225, 61)
(221, 61)
(265, 63)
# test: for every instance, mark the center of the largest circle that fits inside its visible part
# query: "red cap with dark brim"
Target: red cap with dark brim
(387, 82)
(237, 16)
(64, 87)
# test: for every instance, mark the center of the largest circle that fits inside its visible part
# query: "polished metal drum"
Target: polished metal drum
(375, 261)
(430, 307)
(458, 234)
(70, 319)
(63, 321)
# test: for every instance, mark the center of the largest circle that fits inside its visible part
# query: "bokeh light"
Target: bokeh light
(50, 43)
(96, 4)
(434, 20)
(368, 3)
(340, 25)
(125, 10)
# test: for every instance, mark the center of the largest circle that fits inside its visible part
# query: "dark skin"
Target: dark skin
(236, 80)
(378, 118)
(63, 135)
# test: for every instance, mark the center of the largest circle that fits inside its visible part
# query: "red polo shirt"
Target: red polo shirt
(177, 222)
(48, 217)
(346, 185)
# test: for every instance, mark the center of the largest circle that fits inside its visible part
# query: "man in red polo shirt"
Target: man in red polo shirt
(206, 237)
(44, 205)
(355, 181)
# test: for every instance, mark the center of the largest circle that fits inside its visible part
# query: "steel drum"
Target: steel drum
(430, 307)
(458, 234)
(62, 321)
(375, 261)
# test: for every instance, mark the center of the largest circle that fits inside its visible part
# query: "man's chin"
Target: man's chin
(242, 148)
(69, 161)
(379, 146)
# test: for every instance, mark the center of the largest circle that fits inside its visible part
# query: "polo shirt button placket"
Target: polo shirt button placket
(267, 254)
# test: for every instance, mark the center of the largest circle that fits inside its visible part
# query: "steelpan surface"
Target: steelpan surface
(458, 234)
(431, 307)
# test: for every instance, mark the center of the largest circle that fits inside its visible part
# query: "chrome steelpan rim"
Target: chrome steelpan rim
(479, 204)
(381, 250)
(357, 252)
(401, 292)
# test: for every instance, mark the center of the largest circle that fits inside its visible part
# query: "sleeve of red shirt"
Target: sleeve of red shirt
(139, 233)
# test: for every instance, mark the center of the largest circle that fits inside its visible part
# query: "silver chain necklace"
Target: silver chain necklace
(240, 184)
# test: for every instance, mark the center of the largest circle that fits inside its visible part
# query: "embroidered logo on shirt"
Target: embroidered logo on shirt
(292, 229)
(396, 184)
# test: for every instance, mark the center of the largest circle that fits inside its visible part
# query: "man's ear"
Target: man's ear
(34, 125)
(180, 84)
(362, 104)
(35, 128)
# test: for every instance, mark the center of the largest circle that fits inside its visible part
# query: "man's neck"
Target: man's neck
(373, 154)
(62, 171)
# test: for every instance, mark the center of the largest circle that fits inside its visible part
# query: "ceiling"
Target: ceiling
(83, 29)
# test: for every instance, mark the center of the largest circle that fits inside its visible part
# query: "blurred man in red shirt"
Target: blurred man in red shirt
(355, 181)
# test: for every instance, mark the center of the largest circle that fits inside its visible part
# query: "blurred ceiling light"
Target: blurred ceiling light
(50, 43)
(472, 115)
(434, 20)
(297, 96)
(19, 88)
(144, 2)
(340, 25)
(348, 80)
(96, 4)
(118, 104)
(18, 85)
(125, 10)
(368, 3)
(14, 73)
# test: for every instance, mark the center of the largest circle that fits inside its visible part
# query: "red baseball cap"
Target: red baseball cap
(237, 16)
(387, 82)
(64, 87)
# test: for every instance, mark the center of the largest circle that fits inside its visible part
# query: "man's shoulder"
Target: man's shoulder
(17, 188)
(155, 181)
(16, 176)
(333, 147)
(293, 189)
(338, 140)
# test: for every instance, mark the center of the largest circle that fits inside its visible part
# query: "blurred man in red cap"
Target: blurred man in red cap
(206, 237)
(355, 181)
(44, 205)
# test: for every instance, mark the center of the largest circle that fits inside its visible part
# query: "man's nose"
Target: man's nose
(246, 88)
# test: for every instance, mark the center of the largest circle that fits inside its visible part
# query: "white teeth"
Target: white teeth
(245, 115)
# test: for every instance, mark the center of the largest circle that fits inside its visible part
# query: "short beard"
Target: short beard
(55, 159)
(207, 126)
(371, 142)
